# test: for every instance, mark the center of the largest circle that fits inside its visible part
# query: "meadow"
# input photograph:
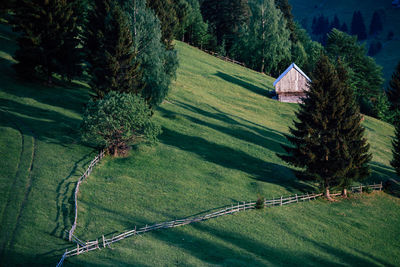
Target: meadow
(221, 133)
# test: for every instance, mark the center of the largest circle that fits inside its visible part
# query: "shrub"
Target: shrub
(260, 203)
(117, 122)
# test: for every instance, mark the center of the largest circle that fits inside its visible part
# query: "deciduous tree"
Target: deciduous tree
(117, 122)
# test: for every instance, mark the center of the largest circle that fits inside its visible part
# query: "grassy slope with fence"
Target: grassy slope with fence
(220, 137)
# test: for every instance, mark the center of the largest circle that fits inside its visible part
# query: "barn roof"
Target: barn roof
(288, 69)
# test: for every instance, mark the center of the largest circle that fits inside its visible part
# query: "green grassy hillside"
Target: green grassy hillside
(390, 53)
(219, 143)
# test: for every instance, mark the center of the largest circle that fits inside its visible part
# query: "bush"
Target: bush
(117, 122)
(260, 203)
(368, 189)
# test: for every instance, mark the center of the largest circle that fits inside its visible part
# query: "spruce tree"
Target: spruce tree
(327, 137)
(226, 17)
(393, 91)
(110, 50)
(376, 25)
(335, 23)
(395, 162)
(358, 26)
(344, 27)
(166, 13)
(48, 42)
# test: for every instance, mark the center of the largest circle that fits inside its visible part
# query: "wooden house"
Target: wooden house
(291, 84)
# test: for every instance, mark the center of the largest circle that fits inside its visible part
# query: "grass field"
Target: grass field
(219, 143)
(390, 54)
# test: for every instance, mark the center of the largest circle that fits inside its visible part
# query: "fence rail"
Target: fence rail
(240, 206)
(81, 179)
(223, 57)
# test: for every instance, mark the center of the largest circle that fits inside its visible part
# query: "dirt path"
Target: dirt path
(19, 191)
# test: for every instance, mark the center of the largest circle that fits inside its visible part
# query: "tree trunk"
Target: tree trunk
(115, 152)
(327, 194)
(344, 193)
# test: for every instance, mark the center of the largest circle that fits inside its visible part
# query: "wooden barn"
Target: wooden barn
(291, 84)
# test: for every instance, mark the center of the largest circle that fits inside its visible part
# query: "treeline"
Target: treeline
(127, 45)
(122, 48)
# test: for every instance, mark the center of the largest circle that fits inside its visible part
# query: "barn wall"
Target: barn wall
(293, 81)
(290, 98)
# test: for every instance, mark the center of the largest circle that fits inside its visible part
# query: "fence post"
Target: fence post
(380, 188)
(281, 200)
(297, 200)
(104, 244)
(360, 188)
(77, 250)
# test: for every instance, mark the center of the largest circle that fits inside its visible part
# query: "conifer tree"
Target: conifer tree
(393, 91)
(226, 17)
(395, 162)
(376, 25)
(110, 50)
(166, 13)
(335, 23)
(358, 26)
(49, 38)
(344, 27)
(327, 137)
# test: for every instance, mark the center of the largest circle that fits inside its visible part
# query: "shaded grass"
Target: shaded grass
(219, 144)
(221, 136)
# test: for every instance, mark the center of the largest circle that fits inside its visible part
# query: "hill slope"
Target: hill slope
(220, 137)
(390, 55)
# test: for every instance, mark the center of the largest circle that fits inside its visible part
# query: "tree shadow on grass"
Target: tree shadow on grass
(233, 159)
(268, 140)
(345, 257)
(240, 82)
(241, 251)
(48, 125)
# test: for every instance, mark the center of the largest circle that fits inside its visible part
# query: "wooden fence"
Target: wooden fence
(83, 177)
(223, 57)
(83, 247)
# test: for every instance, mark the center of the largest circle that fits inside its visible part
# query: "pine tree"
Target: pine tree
(395, 162)
(358, 26)
(49, 38)
(166, 13)
(344, 28)
(376, 25)
(327, 137)
(335, 23)
(110, 50)
(393, 91)
(226, 17)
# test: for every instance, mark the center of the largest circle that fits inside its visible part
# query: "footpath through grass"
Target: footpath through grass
(220, 137)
